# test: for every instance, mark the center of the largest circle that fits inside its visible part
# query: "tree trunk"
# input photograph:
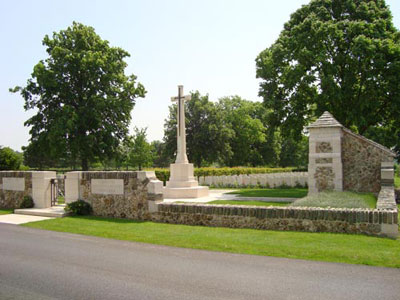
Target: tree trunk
(85, 165)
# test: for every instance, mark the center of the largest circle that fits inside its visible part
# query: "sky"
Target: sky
(205, 45)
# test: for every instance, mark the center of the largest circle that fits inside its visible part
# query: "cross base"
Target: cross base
(182, 183)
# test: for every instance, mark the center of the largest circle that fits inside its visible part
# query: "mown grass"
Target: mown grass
(338, 200)
(6, 211)
(397, 181)
(354, 249)
(276, 193)
(249, 202)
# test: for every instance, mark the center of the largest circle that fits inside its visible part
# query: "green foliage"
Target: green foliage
(27, 202)
(79, 207)
(275, 193)
(338, 200)
(82, 97)
(248, 131)
(9, 159)
(140, 154)
(341, 56)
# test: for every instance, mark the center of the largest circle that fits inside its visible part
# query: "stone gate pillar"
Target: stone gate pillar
(325, 169)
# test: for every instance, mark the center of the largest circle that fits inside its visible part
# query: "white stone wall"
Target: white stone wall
(271, 180)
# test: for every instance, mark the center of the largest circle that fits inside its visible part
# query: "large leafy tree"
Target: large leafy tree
(82, 96)
(342, 56)
(207, 134)
(9, 159)
(249, 133)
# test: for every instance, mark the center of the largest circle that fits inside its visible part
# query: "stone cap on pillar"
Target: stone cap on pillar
(325, 120)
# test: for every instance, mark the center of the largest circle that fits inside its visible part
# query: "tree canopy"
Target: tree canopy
(342, 56)
(9, 159)
(82, 96)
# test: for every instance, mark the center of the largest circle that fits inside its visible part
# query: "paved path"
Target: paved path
(20, 219)
(36, 264)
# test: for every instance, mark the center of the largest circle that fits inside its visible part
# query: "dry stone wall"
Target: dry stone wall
(11, 191)
(356, 221)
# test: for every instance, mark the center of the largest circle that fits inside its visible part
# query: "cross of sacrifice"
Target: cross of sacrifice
(181, 156)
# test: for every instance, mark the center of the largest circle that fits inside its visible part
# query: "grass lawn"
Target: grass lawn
(338, 200)
(354, 249)
(6, 211)
(249, 202)
(277, 193)
(396, 181)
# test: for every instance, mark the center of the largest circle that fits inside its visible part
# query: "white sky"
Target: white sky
(207, 45)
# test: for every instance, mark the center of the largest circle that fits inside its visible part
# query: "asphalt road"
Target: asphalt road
(36, 264)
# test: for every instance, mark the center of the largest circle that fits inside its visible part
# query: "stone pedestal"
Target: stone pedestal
(182, 183)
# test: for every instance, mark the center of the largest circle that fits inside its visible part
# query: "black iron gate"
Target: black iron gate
(54, 191)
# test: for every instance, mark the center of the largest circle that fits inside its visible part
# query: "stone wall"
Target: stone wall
(115, 194)
(293, 179)
(362, 221)
(362, 160)
(12, 196)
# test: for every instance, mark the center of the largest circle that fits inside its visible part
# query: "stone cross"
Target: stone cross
(181, 157)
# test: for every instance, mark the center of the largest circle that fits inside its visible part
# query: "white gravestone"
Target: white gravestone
(107, 186)
(14, 184)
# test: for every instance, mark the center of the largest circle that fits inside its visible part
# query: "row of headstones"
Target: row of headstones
(271, 180)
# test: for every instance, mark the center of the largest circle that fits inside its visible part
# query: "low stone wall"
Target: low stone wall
(129, 195)
(14, 186)
(294, 179)
(361, 221)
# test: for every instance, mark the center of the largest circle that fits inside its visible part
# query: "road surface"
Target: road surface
(37, 264)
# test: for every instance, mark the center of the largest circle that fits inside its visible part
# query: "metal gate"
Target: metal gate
(54, 191)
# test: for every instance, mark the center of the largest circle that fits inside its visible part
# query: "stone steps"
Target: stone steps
(54, 211)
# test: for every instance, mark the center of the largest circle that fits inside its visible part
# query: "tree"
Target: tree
(342, 56)
(9, 159)
(207, 134)
(242, 117)
(140, 154)
(160, 156)
(82, 96)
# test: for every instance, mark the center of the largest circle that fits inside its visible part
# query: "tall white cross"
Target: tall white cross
(181, 157)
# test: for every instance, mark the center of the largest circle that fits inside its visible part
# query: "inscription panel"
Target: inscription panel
(107, 186)
(14, 184)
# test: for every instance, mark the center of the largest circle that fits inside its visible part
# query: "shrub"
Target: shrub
(79, 207)
(27, 202)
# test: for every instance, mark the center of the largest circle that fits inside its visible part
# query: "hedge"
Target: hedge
(163, 174)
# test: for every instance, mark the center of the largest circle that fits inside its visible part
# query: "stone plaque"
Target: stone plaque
(14, 184)
(107, 186)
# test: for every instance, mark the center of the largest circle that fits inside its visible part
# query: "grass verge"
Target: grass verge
(276, 193)
(6, 211)
(354, 249)
(256, 203)
(338, 200)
